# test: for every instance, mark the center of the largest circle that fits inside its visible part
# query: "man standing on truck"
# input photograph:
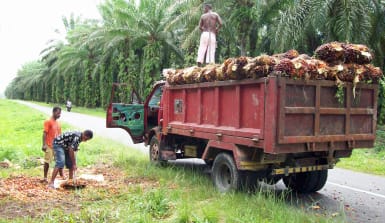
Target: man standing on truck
(52, 129)
(209, 24)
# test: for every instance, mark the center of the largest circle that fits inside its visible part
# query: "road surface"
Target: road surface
(361, 197)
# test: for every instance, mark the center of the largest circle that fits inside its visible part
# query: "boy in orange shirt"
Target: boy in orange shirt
(52, 129)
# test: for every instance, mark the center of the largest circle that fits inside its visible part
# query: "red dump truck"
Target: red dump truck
(249, 130)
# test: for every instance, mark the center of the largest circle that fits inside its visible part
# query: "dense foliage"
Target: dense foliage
(134, 42)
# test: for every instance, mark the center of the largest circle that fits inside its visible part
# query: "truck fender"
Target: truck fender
(154, 131)
(214, 147)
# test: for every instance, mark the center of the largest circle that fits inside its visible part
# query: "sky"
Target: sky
(26, 26)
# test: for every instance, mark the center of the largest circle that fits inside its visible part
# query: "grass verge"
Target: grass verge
(136, 190)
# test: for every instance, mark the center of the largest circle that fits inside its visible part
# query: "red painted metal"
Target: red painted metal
(276, 114)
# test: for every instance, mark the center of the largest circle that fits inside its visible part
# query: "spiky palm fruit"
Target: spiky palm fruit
(189, 75)
(197, 75)
(300, 69)
(285, 67)
(369, 73)
(226, 68)
(333, 72)
(290, 54)
(348, 72)
(178, 77)
(266, 60)
(261, 71)
(168, 74)
(248, 69)
(317, 69)
(209, 72)
(221, 72)
(235, 70)
(331, 52)
(357, 53)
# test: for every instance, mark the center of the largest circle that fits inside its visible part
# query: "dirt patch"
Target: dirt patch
(22, 196)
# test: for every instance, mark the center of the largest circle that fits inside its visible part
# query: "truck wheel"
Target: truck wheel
(155, 152)
(225, 173)
(306, 182)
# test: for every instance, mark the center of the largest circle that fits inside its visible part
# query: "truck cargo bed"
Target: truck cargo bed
(276, 114)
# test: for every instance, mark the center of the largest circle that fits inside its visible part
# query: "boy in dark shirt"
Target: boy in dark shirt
(65, 146)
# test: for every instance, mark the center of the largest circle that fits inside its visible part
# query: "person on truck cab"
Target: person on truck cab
(209, 24)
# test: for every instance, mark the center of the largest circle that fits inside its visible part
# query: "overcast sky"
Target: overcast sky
(27, 25)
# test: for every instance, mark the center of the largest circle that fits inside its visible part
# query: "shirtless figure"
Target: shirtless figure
(209, 24)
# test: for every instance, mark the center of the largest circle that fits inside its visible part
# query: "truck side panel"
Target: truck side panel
(310, 114)
(227, 109)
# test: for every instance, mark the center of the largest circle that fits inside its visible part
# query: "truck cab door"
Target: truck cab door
(128, 116)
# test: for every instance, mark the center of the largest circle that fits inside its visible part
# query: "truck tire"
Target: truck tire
(225, 174)
(154, 152)
(306, 182)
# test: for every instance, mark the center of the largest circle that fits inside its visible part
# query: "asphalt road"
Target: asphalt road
(361, 197)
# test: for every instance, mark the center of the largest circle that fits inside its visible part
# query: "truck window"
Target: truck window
(155, 99)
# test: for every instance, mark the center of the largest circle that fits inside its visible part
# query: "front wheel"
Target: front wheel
(154, 152)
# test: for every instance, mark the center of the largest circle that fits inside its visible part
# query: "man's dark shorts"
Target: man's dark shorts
(62, 157)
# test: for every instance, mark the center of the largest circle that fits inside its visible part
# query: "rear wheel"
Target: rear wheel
(225, 173)
(306, 182)
(154, 152)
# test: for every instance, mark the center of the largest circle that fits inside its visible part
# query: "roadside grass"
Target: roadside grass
(145, 192)
(98, 112)
(368, 160)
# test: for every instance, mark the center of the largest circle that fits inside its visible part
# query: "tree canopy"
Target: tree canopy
(133, 42)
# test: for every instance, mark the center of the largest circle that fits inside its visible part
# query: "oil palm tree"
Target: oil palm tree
(314, 21)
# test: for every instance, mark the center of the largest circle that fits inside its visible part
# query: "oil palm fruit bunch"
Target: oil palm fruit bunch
(369, 73)
(234, 68)
(357, 53)
(209, 72)
(285, 67)
(189, 74)
(300, 69)
(290, 54)
(331, 52)
(317, 69)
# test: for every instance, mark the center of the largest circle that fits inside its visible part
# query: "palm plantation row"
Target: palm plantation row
(133, 42)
